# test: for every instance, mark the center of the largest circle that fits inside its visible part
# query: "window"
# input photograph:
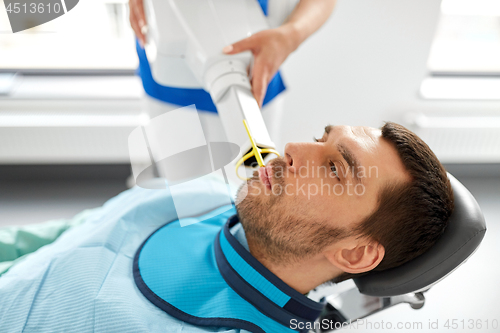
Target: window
(95, 35)
(467, 41)
(464, 61)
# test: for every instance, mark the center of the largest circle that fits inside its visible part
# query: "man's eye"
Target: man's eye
(334, 169)
(318, 140)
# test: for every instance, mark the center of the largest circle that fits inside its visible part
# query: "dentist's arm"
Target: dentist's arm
(271, 47)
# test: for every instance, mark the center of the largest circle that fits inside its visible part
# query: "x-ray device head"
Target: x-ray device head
(184, 48)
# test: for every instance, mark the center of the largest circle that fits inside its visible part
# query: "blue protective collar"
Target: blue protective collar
(201, 274)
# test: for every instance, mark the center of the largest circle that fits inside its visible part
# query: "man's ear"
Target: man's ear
(356, 256)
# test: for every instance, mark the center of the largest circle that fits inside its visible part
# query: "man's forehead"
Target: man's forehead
(368, 146)
(367, 136)
(364, 130)
(382, 153)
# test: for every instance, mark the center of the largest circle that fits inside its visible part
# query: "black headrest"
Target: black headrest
(465, 231)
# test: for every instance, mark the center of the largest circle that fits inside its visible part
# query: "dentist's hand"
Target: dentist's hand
(138, 20)
(270, 48)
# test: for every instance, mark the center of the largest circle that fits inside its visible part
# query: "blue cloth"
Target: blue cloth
(188, 96)
(221, 282)
(83, 281)
(263, 5)
(239, 233)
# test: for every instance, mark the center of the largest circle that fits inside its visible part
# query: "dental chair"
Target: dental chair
(407, 283)
(189, 36)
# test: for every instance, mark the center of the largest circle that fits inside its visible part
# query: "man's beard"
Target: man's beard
(278, 228)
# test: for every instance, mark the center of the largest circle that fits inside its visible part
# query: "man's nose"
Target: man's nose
(299, 154)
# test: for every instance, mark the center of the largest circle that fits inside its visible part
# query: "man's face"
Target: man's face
(317, 191)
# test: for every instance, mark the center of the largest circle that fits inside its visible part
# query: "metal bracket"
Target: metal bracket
(351, 305)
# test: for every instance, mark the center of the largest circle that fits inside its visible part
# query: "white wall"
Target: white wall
(363, 67)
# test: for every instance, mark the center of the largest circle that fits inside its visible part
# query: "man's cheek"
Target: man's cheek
(289, 190)
(301, 189)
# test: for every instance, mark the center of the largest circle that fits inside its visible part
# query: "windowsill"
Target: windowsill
(49, 87)
(461, 88)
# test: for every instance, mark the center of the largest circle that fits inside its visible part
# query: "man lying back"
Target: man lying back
(356, 200)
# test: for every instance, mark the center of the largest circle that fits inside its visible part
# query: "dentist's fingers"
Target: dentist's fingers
(260, 78)
(269, 48)
(138, 19)
(246, 44)
(135, 27)
(141, 16)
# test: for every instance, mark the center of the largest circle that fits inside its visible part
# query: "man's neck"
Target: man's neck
(303, 275)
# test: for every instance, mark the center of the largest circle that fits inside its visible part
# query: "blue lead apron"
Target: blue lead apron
(202, 275)
(197, 96)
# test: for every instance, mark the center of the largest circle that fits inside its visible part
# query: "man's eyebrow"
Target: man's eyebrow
(352, 162)
(328, 128)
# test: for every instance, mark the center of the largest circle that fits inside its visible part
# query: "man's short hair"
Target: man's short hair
(410, 216)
